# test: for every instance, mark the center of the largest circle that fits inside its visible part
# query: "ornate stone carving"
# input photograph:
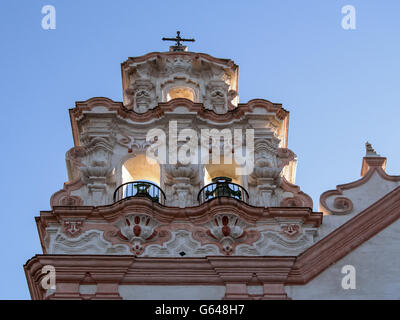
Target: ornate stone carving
(141, 96)
(63, 197)
(181, 184)
(216, 97)
(181, 244)
(178, 64)
(226, 229)
(73, 158)
(98, 173)
(291, 229)
(285, 156)
(292, 202)
(96, 176)
(137, 229)
(279, 242)
(232, 103)
(343, 204)
(265, 178)
(72, 228)
(213, 81)
(297, 198)
(70, 201)
(87, 242)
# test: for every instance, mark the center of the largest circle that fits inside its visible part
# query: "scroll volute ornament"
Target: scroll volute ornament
(265, 162)
(99, 171)
(182, 171)
(292, 202)
(342, 205)
(73, 158)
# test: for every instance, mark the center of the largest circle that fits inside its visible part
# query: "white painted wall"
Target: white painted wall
(141, 292)
(377, 264)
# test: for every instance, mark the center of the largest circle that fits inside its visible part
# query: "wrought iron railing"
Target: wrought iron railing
(222, 187)
(139, 189)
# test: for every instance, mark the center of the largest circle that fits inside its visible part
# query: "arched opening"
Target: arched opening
(221, 180)
(222, 169)
(138, 168)
(140, 178)
(181, 92)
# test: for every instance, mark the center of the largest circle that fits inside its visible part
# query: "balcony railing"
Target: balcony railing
(140, 189)
(222, 187)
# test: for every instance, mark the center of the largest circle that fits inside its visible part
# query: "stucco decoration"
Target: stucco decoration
(88, 242)
(268, 181)
(64, 197)
(136, 229)
(211, 81)
(182, 182)
(297, 199)
(73, 228)
(265, 178)
(181, 244)
(98, 175)
(227, 229)
(73, 159)
(287, 160)
(279, 243)
(353, 197)
(142, 96)
(217, 97)
(272, 240)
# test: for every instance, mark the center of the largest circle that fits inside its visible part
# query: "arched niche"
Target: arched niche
(180, 88)
(138, 168)
(214, 170)
(181, 92)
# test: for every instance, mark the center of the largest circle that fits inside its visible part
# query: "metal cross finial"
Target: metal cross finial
(178, 40)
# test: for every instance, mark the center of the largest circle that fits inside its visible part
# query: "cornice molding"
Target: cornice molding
(199, 214)
(168, 54)
(271, 272)
(162, 108)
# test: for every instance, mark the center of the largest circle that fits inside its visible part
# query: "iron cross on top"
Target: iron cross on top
(178, 40)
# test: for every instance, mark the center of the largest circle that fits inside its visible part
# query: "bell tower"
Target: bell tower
(122, 222)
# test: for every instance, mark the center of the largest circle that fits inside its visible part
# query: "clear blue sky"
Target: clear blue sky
(341, 87)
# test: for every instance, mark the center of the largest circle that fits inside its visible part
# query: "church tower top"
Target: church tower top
(178, 46)
(163, 76)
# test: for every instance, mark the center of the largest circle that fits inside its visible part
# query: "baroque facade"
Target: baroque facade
(126, 227)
